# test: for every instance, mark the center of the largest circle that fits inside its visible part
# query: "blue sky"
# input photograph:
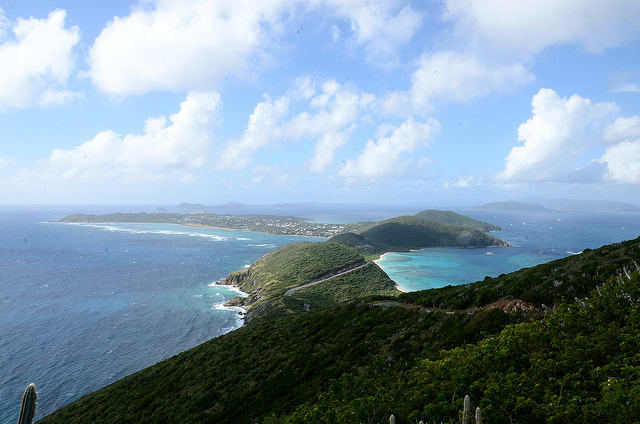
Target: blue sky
(345, 101)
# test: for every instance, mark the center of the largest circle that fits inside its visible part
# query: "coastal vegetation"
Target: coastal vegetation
(449, 217)
(405, 233)
(276, 283)
(558, 342)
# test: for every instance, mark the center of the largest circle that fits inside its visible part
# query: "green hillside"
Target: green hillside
(270, 277)
(449, 217)
(413, 232)
(576, 359)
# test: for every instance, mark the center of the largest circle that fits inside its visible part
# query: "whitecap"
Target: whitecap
(269, 245)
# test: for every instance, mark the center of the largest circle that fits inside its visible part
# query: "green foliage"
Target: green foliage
(363, 361)
(339, 271)
(449, 217)
(271, 366)
(367, 281)
(292, 266)
(413, 232)
(578, 365)
(549, 283)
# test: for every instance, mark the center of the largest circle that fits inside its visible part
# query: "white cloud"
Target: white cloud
(463, 77)
(329, 115)
(623, 162)
(524, 28)
(631, 87)
(177, 45)
(466, 181)
(453, 76)
(180, 45)
(36, 61)
(379, 25)
(623, 129)
(179, 143)
(386, 157)
(263, 127)
(560, 132)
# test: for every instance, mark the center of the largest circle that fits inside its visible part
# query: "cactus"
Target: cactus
(478, 415)
(466, 413)
(392, 420)
(28, 407)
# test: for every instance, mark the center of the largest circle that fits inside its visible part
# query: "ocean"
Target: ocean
(82, 306)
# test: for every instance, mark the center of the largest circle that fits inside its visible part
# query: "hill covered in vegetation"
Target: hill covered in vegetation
(307, 275)
(416, 355)
(409, 232)
(449, 217)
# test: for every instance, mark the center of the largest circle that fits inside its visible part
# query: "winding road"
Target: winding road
(313, 283)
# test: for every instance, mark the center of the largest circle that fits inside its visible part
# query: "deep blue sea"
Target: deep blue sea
(82, 306)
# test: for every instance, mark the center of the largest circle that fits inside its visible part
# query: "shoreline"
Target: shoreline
(240, 310)
(377, 262)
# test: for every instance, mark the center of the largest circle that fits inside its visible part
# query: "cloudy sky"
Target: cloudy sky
(350, 101)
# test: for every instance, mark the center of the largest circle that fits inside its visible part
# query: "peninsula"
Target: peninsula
(305, 276)
(428, 228)
(271, 224)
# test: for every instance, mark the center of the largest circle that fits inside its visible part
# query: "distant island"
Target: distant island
(510, 206)
(559, 205)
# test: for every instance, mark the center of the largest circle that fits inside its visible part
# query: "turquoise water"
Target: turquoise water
(536, 237)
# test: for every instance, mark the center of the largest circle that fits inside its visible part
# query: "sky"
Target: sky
(339, 101)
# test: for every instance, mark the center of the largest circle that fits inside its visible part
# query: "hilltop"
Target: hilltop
(556, 342)
(449, 217)
(274, 282)
(409, 232)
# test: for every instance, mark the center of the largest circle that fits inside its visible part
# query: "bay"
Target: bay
(535, 236)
